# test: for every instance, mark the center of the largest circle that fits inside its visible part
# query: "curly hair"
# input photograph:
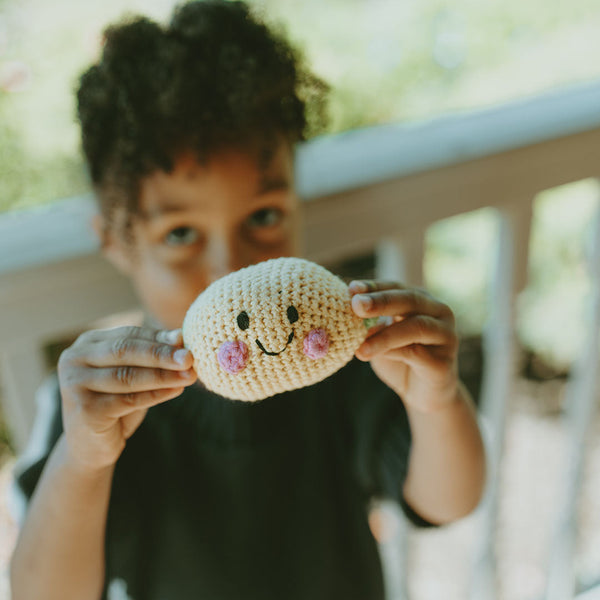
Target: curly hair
(215, 78)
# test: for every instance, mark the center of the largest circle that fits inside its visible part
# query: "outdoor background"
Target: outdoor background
(387, 61)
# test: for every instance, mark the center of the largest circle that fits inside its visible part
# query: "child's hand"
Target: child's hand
(415, 353)
(108, 379)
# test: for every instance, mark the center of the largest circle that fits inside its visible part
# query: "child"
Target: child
(154, 488)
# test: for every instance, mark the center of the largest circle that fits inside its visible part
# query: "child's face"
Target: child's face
(199, 223)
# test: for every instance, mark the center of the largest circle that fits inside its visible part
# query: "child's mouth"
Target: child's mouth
(290, 338)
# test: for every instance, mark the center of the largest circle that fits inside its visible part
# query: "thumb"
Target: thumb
(130, 422)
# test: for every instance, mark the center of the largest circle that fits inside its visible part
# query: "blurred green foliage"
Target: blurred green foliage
(25, 182)
(6, 444)
(387, 61)
(457, 265)
(551, 312)
(553, 317)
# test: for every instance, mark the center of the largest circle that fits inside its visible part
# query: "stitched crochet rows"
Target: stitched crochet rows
(279, 325)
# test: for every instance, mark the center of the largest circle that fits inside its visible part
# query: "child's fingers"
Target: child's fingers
(172, 336)
(399, 302)
(137, 352)
(419, 354)
(131, 331)
(114, 406)
(360, 286)
(127, 379)
(378, 326)
(419, 329)
(436, 365)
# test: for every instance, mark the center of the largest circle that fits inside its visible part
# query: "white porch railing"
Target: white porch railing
(378, 188)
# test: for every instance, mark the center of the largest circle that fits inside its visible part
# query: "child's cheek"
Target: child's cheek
(233, 356)
(316, 343)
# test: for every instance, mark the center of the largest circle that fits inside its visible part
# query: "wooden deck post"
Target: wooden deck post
(580, 401)
(22, 370)
(509, 276)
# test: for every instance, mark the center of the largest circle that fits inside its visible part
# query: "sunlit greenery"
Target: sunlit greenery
(387, 61)
(554, 315)
(551, 312)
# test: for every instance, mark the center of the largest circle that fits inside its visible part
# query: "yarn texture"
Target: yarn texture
(279, 325)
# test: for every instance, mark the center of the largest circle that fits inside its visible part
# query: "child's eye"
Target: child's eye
(265, 217)
(181, 236)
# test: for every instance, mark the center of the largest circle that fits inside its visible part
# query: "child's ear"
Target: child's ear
(112, 246)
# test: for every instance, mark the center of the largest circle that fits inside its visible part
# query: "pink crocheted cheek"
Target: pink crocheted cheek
(316, 343)
(233, 356)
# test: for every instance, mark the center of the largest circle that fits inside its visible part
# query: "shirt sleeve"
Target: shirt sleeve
(381, 438)
(46, 431)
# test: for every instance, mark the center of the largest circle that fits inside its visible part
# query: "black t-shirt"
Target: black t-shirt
(218, 499)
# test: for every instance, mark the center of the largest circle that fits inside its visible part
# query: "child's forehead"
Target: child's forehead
(188, 165)
(190, 170)
(200, 182)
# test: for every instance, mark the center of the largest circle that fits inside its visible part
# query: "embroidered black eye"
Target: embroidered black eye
(292, 314)
(243, 321)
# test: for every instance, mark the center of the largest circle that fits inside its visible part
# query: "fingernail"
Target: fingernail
(365, 301)
(181, 355)
(363, 353)
(172, 336)
(359, 286)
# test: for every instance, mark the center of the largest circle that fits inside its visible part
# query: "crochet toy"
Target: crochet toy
(275, 326)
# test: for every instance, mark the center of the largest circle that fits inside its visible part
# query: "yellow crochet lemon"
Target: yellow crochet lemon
(275, 326)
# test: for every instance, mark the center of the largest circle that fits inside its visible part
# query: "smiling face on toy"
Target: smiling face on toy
(275, 326)
(233, 355)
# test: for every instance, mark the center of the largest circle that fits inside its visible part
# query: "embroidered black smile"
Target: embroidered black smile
(290, 338)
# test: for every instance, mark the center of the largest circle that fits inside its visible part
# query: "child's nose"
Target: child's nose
(222, 256)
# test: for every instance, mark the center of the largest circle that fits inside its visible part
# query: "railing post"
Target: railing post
(580, 399)
(398, 259)
(509, 275)
(401, 258)
(22, 371)
(393, 548)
